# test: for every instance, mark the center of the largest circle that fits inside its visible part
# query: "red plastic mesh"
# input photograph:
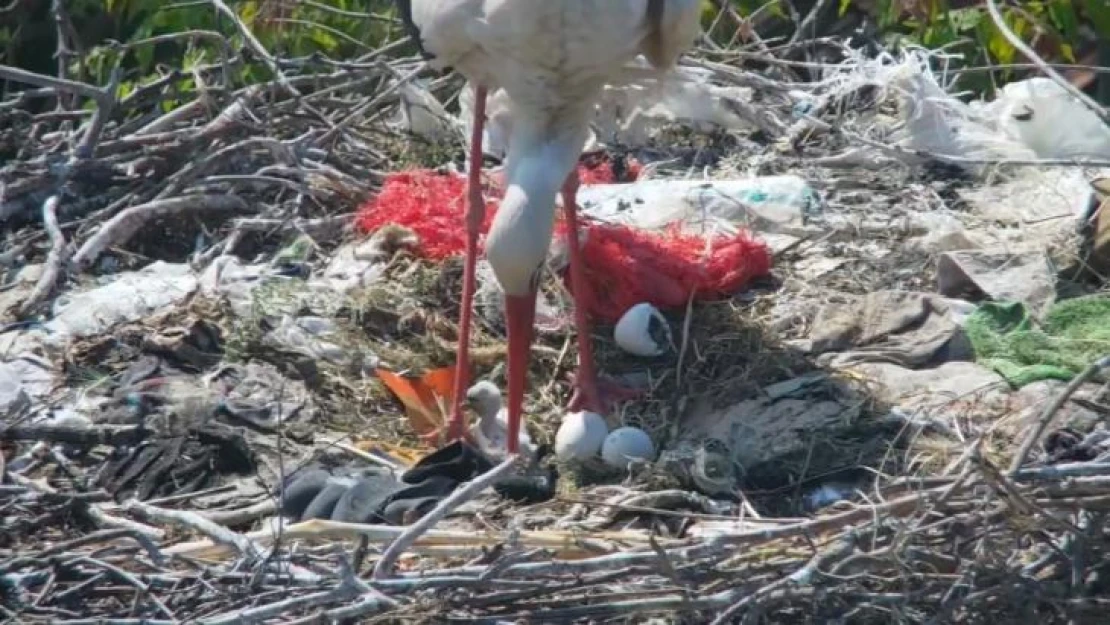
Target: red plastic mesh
(429, 203)
(624, 265)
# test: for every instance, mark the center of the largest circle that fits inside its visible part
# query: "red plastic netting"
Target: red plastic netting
(624, 265)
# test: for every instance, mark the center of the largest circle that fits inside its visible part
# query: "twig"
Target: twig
(105, 536)
(105, 100)
(55, 259)
(95, 512)
(1061, 471)
(73, 435)
(803, 576)
(384, 567)
(62, 53)
(256, 46)
(384, 95)
(104, 108)
(61, 84)
(359, 14)
(120, 228)
(574, 542)
(808, 21)
(221, 535)
(1051, 410)
(294, 604)
(127, 578)
(241, 515)
(261, 613)
(1014, 497)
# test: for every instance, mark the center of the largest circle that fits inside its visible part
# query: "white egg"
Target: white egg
(580, 436)
(626, 444)
(633, 332)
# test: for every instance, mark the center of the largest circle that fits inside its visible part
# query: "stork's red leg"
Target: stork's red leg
(590, 392)
(475, 214)
(520, 317)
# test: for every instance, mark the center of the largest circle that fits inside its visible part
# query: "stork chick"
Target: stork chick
(491, 431)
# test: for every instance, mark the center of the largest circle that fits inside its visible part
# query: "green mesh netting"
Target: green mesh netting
(1075, 333)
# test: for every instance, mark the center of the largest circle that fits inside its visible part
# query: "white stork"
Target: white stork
(552, 58)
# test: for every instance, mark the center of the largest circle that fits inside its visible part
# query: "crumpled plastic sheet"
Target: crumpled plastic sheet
(1027, 277)
(778, 204)
(259, 395)
(129, 296)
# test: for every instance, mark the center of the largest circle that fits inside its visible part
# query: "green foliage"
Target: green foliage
(148, 37)
(1050, 26)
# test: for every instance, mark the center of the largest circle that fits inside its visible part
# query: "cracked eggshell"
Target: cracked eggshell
(633, 332)
(624, 444)
(580, 436)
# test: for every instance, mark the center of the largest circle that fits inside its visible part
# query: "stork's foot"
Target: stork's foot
(454, 430)
(599, 394)
(444, 437)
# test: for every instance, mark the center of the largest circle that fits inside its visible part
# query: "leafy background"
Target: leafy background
(147, 38)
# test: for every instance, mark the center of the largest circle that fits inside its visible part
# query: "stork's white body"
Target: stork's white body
(548, 54)
(552, 58)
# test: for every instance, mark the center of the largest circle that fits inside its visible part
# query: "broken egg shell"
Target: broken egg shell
(625, 444)
(633, 331)
(580, 436)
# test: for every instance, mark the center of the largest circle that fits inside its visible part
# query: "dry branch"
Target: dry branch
(120, 228)
(55, 259)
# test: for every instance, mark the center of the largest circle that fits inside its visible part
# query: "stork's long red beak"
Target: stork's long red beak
(520, 315)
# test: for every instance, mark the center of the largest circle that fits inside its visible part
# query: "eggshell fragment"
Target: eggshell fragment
(633, 331)
(580, 436)
(625, 444)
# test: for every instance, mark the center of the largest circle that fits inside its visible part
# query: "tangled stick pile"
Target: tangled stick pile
(255, 183)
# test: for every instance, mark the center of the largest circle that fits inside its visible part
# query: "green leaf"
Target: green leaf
(1099, 13)
(889, 12)
(248, 12)
(1063, 16)
(937, 9)
(125, 89)
(324, 39)
(1067, 52)
(708, 13)
(965, 19)
(194, 57)
(843, 9)
(999, 47)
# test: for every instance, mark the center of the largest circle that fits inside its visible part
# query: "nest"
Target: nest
(884, 518)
